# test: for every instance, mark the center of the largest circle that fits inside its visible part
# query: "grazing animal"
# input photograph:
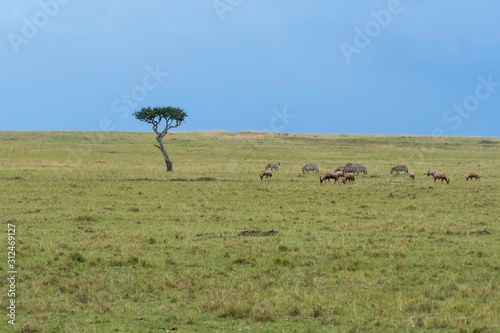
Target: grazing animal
(340, 174)
(399, 168)
(273, 166)
(442, 176)
(361, 168)
(412, 176)
(472, 175)
(431, 173)
(355, 168)
(349, 168)
(310, 167)
(267, 173)
(348, 177)
(328, 176)
(340, 168)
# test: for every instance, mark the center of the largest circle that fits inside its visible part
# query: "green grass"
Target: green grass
(108, 241)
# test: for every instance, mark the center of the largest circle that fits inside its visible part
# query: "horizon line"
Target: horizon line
(254, 132)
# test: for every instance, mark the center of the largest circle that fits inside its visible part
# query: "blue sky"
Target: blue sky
(368, 67)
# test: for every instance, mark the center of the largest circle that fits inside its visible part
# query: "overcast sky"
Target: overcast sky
(368, 67)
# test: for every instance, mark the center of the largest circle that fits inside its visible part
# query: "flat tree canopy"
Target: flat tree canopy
(173, 118)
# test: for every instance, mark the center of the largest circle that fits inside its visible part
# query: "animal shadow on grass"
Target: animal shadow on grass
(258, 233)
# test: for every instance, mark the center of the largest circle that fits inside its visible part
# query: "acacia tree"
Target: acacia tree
(173, 118)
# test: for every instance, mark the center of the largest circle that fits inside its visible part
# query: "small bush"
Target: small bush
(76, 256)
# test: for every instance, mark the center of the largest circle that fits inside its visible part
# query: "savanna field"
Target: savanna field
(108, 241)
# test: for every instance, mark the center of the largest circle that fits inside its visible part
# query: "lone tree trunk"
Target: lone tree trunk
(159, 138)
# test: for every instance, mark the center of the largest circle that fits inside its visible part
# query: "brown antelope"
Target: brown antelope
(267, 173)
(328, 176)
(340, 174)
(348, 177)
(442, 176)
(431, 173)
(412, 176)
(472, 175)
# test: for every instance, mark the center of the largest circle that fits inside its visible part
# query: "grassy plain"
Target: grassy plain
(108, 241)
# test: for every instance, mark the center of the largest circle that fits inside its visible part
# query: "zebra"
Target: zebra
(349, 169)
(340, 168)
(310, 167)
(399, 168)
(355, 168)
(272, 166)
(361, 168)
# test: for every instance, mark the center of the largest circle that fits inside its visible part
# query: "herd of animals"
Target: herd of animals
(347, 172)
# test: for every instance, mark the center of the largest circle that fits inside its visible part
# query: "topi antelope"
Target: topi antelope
(267, 173)
(472, 175)
(441, 176)
(328, 176)
(348, 177)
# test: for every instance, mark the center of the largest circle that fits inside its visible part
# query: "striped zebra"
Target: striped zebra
(275, 166)
(310, 168)
(361, 168)
(355, 168)
(350, 169)
(399, 168)
(340, 168)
